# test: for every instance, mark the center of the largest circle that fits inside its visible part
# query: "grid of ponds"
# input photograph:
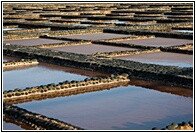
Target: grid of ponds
(121, 108)
(138, 105)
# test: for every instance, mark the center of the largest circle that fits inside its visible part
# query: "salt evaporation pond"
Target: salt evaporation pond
(90, 48)
(43, 74)
(121, 108)
(11, 126)
(96, 36)
(158, 41)
(34, 42)
(162, 58)
(6, 29)
(183, 31)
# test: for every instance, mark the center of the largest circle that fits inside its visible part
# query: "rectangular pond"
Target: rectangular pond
(183, 31)
(121, 108)
(43, 74)
(34, 42)
(162, 58)
(90, 48)
(159, 41)
(7, 29)
(11, 126)
(97, 36)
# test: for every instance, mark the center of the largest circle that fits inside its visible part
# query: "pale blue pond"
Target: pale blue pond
(12, 29)
(42, 74)
(162, 58)
(184, 31)
(121, 108)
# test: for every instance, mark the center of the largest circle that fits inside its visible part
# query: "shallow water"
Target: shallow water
(162, 58)
(189, 31)
(12, 29)
(90, 48)
(11, 126)
(159, 41)
(122, 108)
(115, 22)
(97, 36)
(82, 25)
(43, 74)
(33, 42)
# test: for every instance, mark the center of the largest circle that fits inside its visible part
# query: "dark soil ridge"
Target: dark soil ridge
(30, 35)
(179, 49)
(34, 120)
(169, 74)
(142, 49)
(175, 126)
(62, 86)
(58, 92)
(25, 30)
(149, 32)
(22, 62)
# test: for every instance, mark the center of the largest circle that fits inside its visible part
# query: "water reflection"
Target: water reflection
(90, 48)
(97, 36)
(12, 125)
(34, 41)
(162, 58)
(159, 41)
(105, 110)
(6, 29)
(150, 124)
(184, 31)
(43, 74)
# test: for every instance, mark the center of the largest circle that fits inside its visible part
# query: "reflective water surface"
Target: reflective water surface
(12, 29)
(162, 58)
(184, 31)
(42, 74)
(159, 41)
(90, 48)
(122, 108)
(11, 126)
(97, 36)
(33, 42)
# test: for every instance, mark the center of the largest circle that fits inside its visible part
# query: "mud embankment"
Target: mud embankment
(163, 33)
(37, 34)
(168, 74)
(62, 86)
(20, 63)
(33, 120)
(179, 49)
(175, 126)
